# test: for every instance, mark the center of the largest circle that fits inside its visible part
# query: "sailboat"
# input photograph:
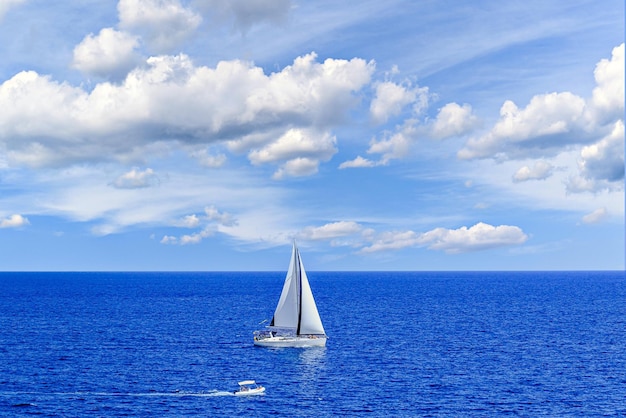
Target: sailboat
(296, 321)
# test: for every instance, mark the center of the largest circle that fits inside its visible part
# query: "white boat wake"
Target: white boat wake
(179, 394)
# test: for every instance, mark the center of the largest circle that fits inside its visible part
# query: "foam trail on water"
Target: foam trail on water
(212, 393)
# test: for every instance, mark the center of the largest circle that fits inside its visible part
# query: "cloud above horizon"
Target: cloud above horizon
(239, 120)
(479, 237)
(158, 106)
(14, 221)
(554, 120)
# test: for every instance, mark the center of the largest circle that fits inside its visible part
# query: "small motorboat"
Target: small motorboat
(249, 388)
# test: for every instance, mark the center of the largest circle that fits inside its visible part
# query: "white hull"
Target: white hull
(250, 392)
(290, 342)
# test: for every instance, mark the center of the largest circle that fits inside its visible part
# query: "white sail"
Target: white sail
(296, 312)
(296, 307)
(287, 310)
(310, 321)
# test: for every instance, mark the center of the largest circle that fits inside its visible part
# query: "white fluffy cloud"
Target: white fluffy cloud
(596, 216)
(297, 167)
(454, 120)
(195, 238)
(331, 231)
(476, 238)
(189, 221)
(208, 159)
(392, 241)
(391, 98)
(163, 24)
(548, 122)
(608, 96)
(110, 54)
(541, 170)
(605, 159)
(136, 179)
(221, 218)
(551, 122)
(300, 150)
(394, 145)
(51, 123)
(14, 221)
(358, 162)
(601, 165)
(208, 224)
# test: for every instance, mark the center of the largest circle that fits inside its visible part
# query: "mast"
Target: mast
(298, 287)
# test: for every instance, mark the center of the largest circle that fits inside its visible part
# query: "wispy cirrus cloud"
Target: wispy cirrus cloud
(595, 217)
(5, 5)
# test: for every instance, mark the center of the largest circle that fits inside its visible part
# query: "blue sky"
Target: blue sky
(396, 135)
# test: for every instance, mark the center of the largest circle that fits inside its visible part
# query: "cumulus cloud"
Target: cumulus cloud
(163, 24)
(169, 239)
(330, 231)
(394, 145)
(189, 221)
(601, 165)
(476, 238)
(297, 167)
(608, 96)
(187, 239)
(358, 162)
(195, 238)
(391, 98)
(221, 218)
(541, 170)
(453, 120)
(209, 160)
(392, 241)
(111, 54)
(605, 159)
(553, 121)
(136, 179)
(14, 221)
(596, 216)
(208, 224)
(300, 150)
(548, 122)
(248, 13)
(46, 123)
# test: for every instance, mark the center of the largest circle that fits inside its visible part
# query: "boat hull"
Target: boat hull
(251, 392)
(290, 342)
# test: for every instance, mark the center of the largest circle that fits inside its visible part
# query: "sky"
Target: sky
(208, 135)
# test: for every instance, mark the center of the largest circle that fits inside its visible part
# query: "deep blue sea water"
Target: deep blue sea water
(401, 344)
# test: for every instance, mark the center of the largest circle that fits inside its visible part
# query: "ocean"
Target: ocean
(401, 344)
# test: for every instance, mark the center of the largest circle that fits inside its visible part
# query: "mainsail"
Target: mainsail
(296, 309)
